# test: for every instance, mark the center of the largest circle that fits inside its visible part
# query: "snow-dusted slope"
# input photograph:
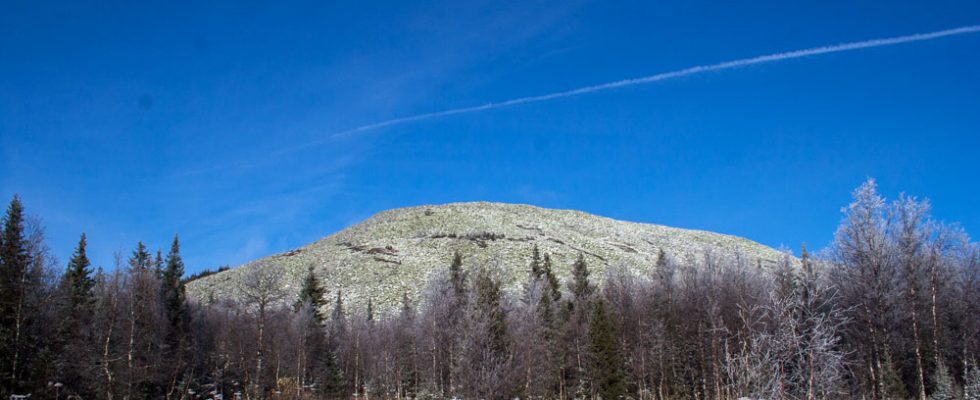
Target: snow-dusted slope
(395, 251)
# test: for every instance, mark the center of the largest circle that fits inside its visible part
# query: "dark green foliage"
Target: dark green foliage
(15, 262)
(174, 293)
(607, 365)
(535, 266)
(457, 277)
(971, 383)
(338, 322)
(78, 279)
(488, 307)
(205, 272)
(552, 280)
(582, 289)
(158, 265)
(313, 295)
(140, 260)
(892, 385)
(370, 311)
(944, 386)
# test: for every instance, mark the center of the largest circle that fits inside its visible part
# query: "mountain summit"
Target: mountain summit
(395, 251)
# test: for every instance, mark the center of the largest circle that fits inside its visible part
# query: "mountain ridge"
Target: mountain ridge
(396, 251)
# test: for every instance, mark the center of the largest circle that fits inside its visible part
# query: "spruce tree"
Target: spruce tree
(971, 383)
(581, 288)
(78, 276)
(945, 388)
(174, 293)
(158, 265)
(607, 366)
(140, 260)
(488, 307)
(457, 278)
(312, 294)
(370, 311)
(73, 318)
(338, 323)
(15, 262)
(535, 265)
(551, 278)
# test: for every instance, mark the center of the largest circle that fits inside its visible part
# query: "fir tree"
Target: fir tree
(174, 293)
(15, 262)
(338, 323)
(158, 265)
(312, 294)
(488, 306)
(892, 384)
(370, 311)
(551, 279)
(78, 277)
(607, 367)
(457, 277)
(140, 260)
(580, 287)
(945, 388)
(535, 265)
(971, 383)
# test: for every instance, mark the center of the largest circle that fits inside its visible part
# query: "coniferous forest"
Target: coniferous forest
(890, 310)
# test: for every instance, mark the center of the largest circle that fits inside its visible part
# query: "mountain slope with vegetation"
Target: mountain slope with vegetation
(395, 251)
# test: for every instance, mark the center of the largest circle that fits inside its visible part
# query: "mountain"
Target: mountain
(396, 251)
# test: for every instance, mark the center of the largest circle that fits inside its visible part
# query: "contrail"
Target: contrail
(700, 69)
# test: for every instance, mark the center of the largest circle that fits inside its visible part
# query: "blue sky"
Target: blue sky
(135, 120)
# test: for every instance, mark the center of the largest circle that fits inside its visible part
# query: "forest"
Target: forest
(889, 310)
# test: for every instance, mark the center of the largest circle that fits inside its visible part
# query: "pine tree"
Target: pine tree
(370, 311)
(971, 383)
(535, 265)
(174, 293)
(945, 388)
(607, 367)
(78, 276)
(582, 290)
(140, 260)
(488, 306)
(457, 277)
(406, 348)
(338, 322)
(892, 383)
(552, 279)
(15, 262)
(158, 265)
(312, 294)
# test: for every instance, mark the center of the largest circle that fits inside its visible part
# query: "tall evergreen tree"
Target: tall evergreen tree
(312, 294)
(338, 322)
(158, 264)
(582, 289)
(607, 367)
(552, 279)
(15, 261)
(73, 333)
(78, 277)
(174, 292)
(457, 277)
(535, 265)
(140, 259)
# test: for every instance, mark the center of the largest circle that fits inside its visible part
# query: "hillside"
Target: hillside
(395, 251)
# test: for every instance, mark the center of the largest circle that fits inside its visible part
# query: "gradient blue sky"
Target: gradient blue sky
(135, 120)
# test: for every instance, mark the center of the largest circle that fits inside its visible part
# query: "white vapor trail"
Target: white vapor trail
(700, 69)
(918, 37)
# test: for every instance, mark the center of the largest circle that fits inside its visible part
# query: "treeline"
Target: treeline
(890, 311)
